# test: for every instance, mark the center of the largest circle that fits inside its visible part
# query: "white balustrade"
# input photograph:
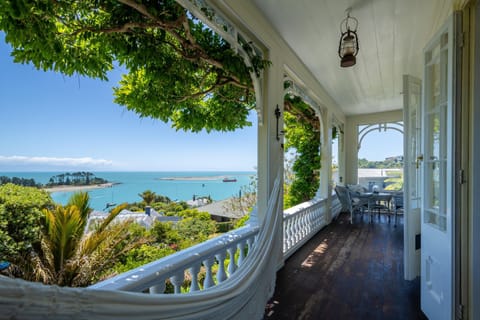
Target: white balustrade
(302, 222)
(200, 258)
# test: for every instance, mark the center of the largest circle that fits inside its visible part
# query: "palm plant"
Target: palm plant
(70, 257)
(148, 196)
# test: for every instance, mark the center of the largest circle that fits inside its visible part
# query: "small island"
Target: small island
(80, 178)
(75, 181)
(69, 181)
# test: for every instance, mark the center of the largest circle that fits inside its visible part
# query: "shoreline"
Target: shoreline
(65, 188)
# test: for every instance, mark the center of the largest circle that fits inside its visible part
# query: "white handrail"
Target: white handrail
(153, 275)
(303, 221)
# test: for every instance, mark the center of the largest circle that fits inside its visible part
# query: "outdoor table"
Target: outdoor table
(376, 200)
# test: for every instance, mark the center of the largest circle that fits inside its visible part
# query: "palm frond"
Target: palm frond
(113, 214)
(82, 201)
(64, 231)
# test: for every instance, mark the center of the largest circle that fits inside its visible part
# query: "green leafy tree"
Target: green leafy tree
(20, 220)
(178, 69)
(172, 208)
(141, 256)
(165, 233)
(148, 196)
(192, 231)
(194, 213)
(242, 221)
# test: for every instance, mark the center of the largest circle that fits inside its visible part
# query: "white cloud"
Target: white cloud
(54, 161)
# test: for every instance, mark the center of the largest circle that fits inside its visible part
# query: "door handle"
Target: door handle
(419, 159)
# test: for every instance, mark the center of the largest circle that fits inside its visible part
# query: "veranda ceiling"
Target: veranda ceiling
(392, 35)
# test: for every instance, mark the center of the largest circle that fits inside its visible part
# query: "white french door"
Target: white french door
(412, 101)
(437, 208)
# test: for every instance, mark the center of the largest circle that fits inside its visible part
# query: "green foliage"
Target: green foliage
(395, 183)
(225, 226)
(179, 71)
(194, 213)
(20, 220)
(140, 256)
(19, 181)
(165, 232)
(242, 221)
(170, 209)
(148, 196)
(80, 178)
(303, 138)
(64, 228)
(364, 163)
(52, 247)
(193, 230)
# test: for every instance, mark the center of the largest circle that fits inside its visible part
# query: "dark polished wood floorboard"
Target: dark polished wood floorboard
(347, 272)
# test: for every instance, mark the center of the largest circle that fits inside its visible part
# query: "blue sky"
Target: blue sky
(50, 122)
(376, 146)
(53, 122)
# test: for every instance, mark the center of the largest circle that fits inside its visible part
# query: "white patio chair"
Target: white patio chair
(350, 204)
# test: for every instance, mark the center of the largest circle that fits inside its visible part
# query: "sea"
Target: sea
(178, 186)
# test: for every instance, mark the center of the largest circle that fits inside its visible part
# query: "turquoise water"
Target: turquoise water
(130, 184)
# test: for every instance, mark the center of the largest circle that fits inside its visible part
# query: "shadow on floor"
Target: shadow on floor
(347, 272)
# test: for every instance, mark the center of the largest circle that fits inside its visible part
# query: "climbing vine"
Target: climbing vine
(302, 145)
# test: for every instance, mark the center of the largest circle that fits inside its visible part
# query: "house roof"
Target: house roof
(139, 217)
(220, 209)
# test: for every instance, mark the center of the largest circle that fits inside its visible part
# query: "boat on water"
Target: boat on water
(229, 179)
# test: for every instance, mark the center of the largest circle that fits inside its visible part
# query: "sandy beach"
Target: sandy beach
(65, 188)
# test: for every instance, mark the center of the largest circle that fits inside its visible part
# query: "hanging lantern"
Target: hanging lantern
(348, 47)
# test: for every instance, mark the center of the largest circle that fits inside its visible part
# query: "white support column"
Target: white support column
(270, 149)
(351, 152)
(325, 156)
(326, 161)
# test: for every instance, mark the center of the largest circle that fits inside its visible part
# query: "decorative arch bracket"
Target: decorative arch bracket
(247, 49)
(397, 126)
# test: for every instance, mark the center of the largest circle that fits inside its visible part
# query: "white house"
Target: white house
(417, 64)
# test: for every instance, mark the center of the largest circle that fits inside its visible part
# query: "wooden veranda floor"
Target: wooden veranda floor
(347, 272)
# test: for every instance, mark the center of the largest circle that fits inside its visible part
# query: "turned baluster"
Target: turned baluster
(208, 282)
(194, 270)
(177, 281)
(159, 288)
(231, 266)
(241, 250)
(221, 275)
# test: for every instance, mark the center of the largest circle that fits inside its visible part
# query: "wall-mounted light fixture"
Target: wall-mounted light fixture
(348, 47)
(278, 113)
